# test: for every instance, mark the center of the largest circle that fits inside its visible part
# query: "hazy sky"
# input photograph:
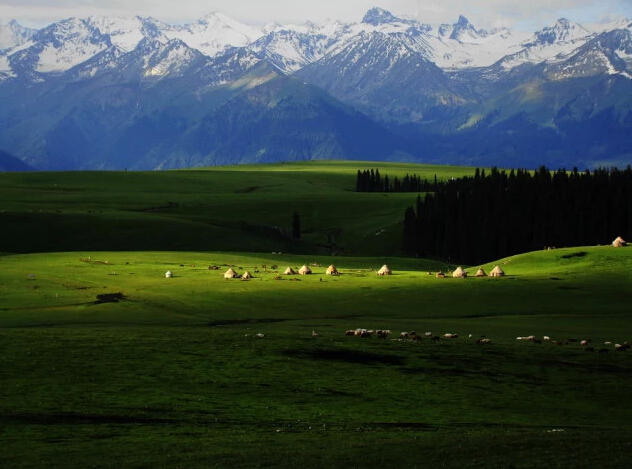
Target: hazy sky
(524, 14)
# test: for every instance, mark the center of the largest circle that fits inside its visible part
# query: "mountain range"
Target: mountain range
(114, 92)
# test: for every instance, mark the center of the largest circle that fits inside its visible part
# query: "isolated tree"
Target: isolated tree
(296, 226)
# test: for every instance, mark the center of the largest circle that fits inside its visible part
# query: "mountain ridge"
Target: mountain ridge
(452, 93)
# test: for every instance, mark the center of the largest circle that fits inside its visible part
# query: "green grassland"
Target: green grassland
(237, 208)
(174, 375)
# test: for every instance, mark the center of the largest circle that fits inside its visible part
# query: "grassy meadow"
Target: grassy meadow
(241, 208)
(174, 374)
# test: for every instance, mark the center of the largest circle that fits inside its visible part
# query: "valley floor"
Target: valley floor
(174, 375)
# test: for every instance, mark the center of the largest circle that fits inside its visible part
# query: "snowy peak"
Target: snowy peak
(463, 31)
(377, 16)
(214, 34)
(13, 34)
(607, 54)
(58, 47)
(126, 33)
(562, 31)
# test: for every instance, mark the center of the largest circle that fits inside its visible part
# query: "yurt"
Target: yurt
(247, 276)
(619, 242)
(385, 270)
(459, 273)
(169, 274)
(497, 272)
(331, 270)
(440, 275)
(305, 270)
(230, 273)
(480, 273)
(289, 271)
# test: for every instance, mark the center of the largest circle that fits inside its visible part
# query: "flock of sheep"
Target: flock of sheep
(413, 336)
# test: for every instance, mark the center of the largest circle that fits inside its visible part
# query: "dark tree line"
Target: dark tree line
(477, 219)
(372, 181)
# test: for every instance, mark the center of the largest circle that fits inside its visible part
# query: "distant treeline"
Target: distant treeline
(477, 219)
(371, 181)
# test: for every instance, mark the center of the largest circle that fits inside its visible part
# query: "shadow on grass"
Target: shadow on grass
(343, 355)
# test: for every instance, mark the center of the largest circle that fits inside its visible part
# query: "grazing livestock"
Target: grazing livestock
(260, 336)
(484, 341)
(428, 334)
(383, 334)
(547, 338)
(404, 335)
(530, 338)
(451, 336)
(349, 333)
(607, 343)
(315, 334)
(584, 343)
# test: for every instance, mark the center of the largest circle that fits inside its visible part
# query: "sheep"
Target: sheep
(365, 334)
(404, 335)
(583, 343)
(484, 341)
(315, 334)
(348, 333)
(607, 343)
(451, 336)
(428, 334)
(260, 336)
(546, 338)
(383, 334)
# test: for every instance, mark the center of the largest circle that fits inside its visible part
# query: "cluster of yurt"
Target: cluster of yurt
(480, 273)
(305, 270)
(385, 271)
(619, 243)
(231, 274)
(331, 270)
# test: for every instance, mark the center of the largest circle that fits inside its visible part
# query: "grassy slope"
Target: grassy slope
(169, 378)
(229, 208)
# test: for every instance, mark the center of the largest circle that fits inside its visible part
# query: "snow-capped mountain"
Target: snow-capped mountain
(127, 33)
(58, 48)
(607, 54)
(13, 34)
(552, 43)
(142, 93)
(214, 33)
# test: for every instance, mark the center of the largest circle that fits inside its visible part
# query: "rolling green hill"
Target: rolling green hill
(174, 375)
(241, 208)
(106, 362)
